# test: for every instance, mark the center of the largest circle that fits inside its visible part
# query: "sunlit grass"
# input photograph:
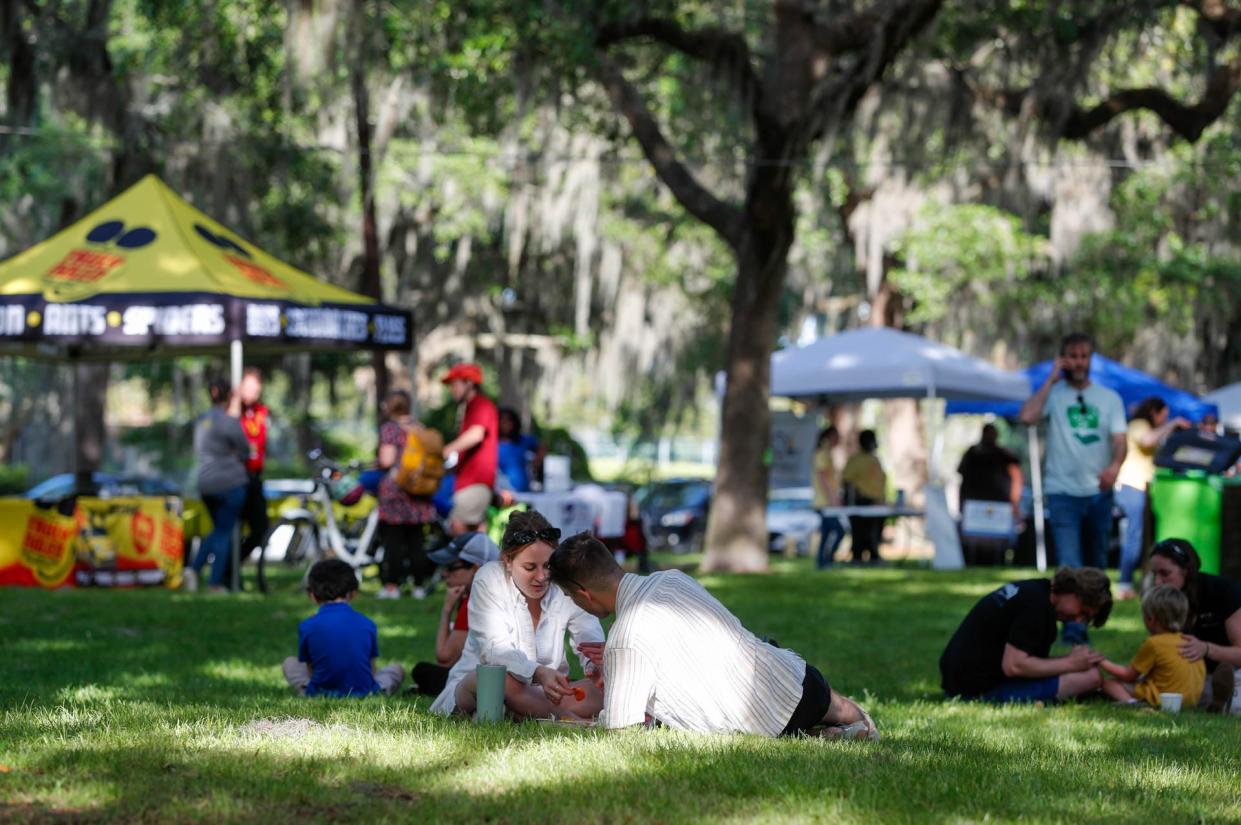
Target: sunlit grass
(159, 707)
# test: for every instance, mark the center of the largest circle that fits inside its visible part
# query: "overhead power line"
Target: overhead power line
(104, 145)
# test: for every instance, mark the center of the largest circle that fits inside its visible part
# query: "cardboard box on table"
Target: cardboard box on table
(127, 541)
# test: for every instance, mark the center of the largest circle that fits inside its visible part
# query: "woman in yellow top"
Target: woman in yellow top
(865, 482)
(1147, 429)
(1158, 666)
(827, 494)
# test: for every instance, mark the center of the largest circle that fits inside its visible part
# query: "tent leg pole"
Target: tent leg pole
(235, 362)
(1036, 483)
(236, 365)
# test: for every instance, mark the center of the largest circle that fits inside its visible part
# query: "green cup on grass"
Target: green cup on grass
(490, 693)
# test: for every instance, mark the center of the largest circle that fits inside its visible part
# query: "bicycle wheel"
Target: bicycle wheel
(291, 547)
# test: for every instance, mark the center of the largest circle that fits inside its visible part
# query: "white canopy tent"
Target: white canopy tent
(879, 362)
(1228, 399)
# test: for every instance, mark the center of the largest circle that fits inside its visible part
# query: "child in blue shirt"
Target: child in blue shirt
(337, 647)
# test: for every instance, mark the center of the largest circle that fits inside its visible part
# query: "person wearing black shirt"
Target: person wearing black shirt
(990, 473)
(1000, 653)
(1214, 631)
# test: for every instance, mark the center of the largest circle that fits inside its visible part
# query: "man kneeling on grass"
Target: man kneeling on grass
(676, 656)
(1000, 653)
(337, 647)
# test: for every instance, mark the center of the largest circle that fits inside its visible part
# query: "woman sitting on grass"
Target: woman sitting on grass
(1214, 629)
(1158, 666)
(518, 620)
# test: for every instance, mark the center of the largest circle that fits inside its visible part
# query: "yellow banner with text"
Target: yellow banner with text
(132, 541)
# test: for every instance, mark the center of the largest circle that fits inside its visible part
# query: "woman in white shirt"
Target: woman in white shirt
(518, 620)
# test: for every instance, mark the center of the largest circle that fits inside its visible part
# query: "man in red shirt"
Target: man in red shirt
(476, 445)
(254, 416)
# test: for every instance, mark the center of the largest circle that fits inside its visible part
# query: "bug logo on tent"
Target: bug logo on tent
(239, 257)
(76, 274)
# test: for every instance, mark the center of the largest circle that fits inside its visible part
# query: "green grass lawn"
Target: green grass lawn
(153, 706)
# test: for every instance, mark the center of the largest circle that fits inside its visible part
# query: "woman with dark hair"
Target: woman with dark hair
(1214, 630)
(518, 619)
(518, 453)
(401, 515)
(1147, 429)
(222, 450)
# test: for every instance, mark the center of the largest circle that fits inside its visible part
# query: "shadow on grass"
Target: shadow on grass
(166, 646)
(1121, 775)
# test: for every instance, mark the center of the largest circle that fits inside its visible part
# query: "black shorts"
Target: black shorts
(816, 698)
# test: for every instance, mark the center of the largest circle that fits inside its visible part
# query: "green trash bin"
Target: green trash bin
(1189, 505)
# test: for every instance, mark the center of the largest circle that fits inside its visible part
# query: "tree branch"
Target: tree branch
(718, 47)
(724, 218)
(1187, 121)
(1215, 15)
(882, 37)
(848, 34)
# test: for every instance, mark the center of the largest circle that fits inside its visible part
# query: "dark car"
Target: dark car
(675, 512)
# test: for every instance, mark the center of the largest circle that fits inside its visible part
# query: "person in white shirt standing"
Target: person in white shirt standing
(676, 656)
(1086, 445)
(518, 620)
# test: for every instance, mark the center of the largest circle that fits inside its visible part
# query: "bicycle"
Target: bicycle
(327, 515)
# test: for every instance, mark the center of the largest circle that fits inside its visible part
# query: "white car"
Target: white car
(791, 517)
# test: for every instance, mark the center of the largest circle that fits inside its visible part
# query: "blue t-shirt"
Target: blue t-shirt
(338, 643)
(514, 461)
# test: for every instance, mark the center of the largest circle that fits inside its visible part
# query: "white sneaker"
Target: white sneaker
(420, 593)
(388, 593)
(189, 580)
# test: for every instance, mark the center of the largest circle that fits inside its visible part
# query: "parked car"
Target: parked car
(106, 485)
(791, 517)
(675, 512)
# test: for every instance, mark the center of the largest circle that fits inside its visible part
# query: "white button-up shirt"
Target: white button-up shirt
(678, 654)
(502, 632)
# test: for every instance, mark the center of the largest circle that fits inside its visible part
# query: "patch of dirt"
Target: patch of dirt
(290, 728)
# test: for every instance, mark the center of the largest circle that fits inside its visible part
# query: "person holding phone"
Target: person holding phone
(1086, 446)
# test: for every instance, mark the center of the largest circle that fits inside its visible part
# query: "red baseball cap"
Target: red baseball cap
(466, 372)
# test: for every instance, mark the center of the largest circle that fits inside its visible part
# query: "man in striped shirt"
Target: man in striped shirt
(677, 656)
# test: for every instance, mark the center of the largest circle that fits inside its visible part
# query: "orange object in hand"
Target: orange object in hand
(579, 693)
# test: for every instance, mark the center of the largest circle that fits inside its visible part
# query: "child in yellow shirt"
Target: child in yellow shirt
(1158, 666)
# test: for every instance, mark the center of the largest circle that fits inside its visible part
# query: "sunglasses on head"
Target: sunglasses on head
(1173, 550)
(520, 538)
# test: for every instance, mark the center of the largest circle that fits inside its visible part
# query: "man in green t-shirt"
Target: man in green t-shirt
(1085, 448)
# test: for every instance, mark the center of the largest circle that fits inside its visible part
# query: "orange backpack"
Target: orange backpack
(421, 467)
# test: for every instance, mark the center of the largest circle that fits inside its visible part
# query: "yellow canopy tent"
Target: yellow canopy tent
(148, 272)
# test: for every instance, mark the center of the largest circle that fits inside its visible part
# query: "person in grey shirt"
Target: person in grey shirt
(1086, 445)
(221, 448)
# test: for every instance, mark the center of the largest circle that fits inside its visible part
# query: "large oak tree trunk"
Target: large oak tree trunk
(737, 525)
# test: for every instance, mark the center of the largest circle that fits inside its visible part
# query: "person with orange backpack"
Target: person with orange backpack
(409, 453)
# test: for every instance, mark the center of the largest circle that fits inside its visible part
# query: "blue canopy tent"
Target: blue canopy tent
(1133, 385)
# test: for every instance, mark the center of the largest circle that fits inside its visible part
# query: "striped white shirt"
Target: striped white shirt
(502, 632)
(676, 653)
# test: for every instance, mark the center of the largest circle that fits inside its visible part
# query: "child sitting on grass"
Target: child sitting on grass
(1158, 666)
(337, 647)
